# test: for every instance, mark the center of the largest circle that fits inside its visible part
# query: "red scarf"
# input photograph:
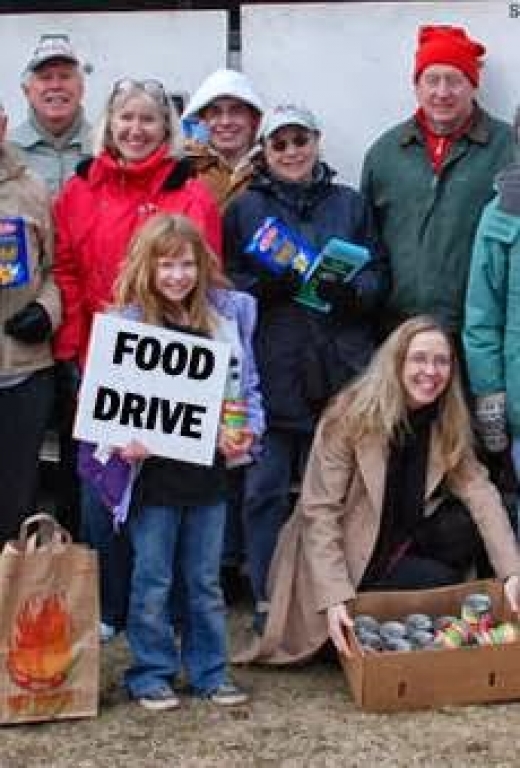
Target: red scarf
(439, 145)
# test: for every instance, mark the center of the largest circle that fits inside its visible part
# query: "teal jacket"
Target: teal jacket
(427, 222)
(492, 323)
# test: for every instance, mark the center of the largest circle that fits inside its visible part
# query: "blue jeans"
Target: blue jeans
(113, 548)
(168, 541)
(267, 499)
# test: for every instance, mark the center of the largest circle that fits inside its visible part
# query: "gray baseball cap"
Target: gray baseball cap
(284, 115)
(50, 47)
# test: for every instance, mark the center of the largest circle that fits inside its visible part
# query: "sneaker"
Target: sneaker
(159, 699)
(106, 632)
(227, 695)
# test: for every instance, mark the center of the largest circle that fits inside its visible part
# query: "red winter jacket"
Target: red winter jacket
(96, 215)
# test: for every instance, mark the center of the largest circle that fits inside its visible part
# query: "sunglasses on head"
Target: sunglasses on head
(153, 88)
(299, 140)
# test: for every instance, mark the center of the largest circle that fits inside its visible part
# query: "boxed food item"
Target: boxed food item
(393, 681)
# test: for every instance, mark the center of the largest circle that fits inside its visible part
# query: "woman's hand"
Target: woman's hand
(134, 451)
(512, 592)
(234, 442)
(339, 621)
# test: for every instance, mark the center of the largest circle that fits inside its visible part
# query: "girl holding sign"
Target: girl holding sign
(176, 522)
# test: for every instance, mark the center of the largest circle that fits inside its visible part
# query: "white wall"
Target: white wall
(178, 47)
(352, 63)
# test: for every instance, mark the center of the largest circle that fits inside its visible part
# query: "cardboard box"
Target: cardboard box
(397, 681)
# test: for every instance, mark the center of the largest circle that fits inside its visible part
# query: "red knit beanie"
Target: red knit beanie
(448, 45)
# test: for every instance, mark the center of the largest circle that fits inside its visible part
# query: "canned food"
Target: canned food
(418, 621)
(365, 622)
(369, 640)
(420, 638)
(505, 633)
(441, 622)
(397, 644)
(454, 635)
(476, 611)
(392, 629)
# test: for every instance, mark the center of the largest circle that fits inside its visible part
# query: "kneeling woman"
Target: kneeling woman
(385, 500)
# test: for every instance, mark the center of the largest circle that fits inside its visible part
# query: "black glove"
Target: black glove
(342, 297)
(31, 324)
(275, 288)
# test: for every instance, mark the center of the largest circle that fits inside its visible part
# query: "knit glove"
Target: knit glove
(32, 324)
(490, 412)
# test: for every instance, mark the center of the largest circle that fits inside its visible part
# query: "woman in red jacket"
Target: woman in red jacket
(135, 173)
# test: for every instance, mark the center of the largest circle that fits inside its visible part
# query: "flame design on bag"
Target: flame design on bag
(41, 648)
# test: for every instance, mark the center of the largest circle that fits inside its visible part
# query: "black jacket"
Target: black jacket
(304, 356)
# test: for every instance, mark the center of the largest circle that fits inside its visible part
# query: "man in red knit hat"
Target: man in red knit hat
(427, 179)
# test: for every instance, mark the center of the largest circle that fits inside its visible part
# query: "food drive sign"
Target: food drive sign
(160, 387)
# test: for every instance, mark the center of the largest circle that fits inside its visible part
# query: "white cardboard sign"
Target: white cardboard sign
(154, 385)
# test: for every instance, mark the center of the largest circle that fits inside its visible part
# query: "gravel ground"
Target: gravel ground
(301, 718)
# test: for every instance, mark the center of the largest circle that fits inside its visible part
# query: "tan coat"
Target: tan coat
(23, 194)
(224, 182)
(326, 545)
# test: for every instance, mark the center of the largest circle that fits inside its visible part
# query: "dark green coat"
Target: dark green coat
(427, 222)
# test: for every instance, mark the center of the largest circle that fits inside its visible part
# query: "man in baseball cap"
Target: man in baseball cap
(56, 134)
(230, 109)
(53, 139)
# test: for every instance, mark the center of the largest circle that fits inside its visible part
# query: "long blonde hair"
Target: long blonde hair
(375, 403)
(164, 235)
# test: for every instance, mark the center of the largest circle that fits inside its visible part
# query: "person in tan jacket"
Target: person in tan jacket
(30, 311)
(389, 484)
(230, 109)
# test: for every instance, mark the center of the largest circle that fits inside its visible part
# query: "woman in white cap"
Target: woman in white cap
(304, 355)
(230, 109)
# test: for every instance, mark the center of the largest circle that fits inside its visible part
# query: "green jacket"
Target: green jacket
(427, 222)
(492, 323)
(53, 158)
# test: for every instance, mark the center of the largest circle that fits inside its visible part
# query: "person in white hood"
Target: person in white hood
(231, 109)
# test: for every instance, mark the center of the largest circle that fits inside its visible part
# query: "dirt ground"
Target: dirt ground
(300, 718)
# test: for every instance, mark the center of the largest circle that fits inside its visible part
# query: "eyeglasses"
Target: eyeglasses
(422, 360)
(299, 140)
(153, 88)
